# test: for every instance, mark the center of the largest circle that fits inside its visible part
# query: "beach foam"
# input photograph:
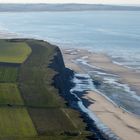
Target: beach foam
(80, 86)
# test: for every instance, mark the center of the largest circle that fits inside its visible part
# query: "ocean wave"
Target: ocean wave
(123, 93)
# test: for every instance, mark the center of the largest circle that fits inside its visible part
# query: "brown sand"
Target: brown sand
(102, 61)
(123, 124)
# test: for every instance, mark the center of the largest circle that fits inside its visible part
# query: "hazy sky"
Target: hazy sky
(74, 1)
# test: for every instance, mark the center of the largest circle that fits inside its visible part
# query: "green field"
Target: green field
(47, 123)
(8, 74)
(30, 106)
(9, 94)
(13, 52)
(15, 122)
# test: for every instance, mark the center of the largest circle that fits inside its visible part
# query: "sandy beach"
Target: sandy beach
(102, 61)
(123, 124)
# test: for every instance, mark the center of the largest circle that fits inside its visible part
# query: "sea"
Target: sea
(115, 33)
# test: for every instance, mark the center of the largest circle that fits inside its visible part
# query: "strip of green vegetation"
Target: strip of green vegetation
(9, 94)
(8, 74)
(15, 122)
(13, 52)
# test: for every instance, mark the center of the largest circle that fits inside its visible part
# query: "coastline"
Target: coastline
(130, 125)
(124, 124)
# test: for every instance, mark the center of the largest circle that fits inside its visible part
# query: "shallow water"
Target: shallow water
(111, 87)
(116, 33)
(83, 83)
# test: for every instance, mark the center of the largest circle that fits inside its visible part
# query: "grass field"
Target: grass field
(15, 122)
(13, 52)
(8, 74)
(49, 121)
(58, 121)
(9, 94)
(30, 107)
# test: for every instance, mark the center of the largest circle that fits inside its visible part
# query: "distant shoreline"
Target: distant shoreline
(76, 68)
(64, 7)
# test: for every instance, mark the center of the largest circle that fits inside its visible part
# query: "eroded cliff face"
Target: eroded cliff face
(62, 80)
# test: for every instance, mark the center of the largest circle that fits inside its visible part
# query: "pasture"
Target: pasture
(9, 94)
(16, 122)
(8, 74)
(30, 106)
(13, 52)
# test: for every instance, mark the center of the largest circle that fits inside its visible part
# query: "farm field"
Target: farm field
(55, 125)
(9, 94)
(15, 122)
(30, 106)
(13, 52)
(8, 74)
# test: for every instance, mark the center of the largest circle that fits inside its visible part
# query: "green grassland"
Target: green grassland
(15, 122)
(13, 52)
(52, 121)
(36, 111)
(9, 94)
(8, 74)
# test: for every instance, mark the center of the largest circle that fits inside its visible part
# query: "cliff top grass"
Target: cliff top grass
(9, 94)
(8, 74)
(16, 122)
(30, 106)
(13, 52)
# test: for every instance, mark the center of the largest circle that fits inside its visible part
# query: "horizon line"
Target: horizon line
(73, 3)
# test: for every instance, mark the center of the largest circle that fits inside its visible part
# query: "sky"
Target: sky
(134, 2)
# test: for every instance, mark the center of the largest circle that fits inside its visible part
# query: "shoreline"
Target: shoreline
(104, 62)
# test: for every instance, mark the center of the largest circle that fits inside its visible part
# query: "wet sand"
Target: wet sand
(127, 76)
(123, 124)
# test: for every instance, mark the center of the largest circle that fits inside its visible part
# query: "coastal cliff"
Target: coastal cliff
(62, 80)
(45, 84)
(42, 95)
